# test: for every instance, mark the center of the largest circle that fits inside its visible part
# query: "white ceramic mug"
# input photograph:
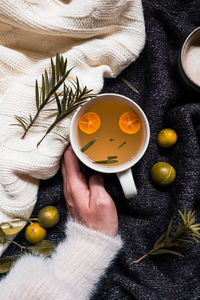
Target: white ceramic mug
(123, 171)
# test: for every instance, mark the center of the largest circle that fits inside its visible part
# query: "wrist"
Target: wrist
(110, 231)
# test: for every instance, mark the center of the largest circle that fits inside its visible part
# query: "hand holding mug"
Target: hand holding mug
(89, 204)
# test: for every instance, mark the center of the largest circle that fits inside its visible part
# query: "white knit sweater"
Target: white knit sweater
(70, 274)
(99, 37)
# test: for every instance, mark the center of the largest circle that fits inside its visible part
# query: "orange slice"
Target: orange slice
(89, 122)
(129, 122)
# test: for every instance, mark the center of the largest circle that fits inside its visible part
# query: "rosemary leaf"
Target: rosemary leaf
(185, 241)
(43, 91)
(25, 120)
(122, 144)
(50, 109)
(161, 238)
(62, 66)
(64, 98)
(65, 65)
(52, 73)
(58, 68)
(21, 122)
(88, 145)
(37, 94)
(86, 97)
(47, 85)
(67, 112)
(194, 239)
(112, 157)
(77, 88)
(166, 251)
(15, 124)
(58, 104)
(110, 160)
(129, 85)
(106, 162)
(169, 229)
(183, 216)
(111, 140)
(42, 126)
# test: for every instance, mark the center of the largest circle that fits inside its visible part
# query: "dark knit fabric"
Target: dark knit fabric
(167, 103)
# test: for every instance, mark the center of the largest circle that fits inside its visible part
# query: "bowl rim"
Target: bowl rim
(191, 82)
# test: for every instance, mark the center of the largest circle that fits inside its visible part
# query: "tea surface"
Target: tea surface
(109, 145)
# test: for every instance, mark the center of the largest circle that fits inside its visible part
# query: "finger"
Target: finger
(62, 162)
(64, 174)
(98, 194)
(72, 169)
(71, 162)
(65, 185)
(74, 179)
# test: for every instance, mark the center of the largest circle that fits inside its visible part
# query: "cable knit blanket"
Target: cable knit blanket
(99, 38)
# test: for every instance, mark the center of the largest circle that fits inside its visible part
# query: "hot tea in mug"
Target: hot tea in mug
(110, 133)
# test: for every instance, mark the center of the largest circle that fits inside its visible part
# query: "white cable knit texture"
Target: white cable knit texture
(99, 37)
(70, 274)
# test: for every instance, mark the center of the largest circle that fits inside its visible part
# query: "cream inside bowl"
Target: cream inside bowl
(190, 59)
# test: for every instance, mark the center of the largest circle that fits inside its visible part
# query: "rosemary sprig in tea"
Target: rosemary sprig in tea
(67, 101)
(106, 162)
(84, 148)
(110, 160)
(122, 144)
(112, 157)
(187, 232)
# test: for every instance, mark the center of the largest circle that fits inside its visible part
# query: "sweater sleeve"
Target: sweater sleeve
(71, 273)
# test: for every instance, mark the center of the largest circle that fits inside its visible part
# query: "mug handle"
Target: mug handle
(127, 183)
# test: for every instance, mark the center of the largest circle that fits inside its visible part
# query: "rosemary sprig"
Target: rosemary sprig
(187, 232)
(50, 84)
(88, 145)
(67, 101)
(110, 160)
(106, 162)
(42, 126)
(129, 85)
(122, 144)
